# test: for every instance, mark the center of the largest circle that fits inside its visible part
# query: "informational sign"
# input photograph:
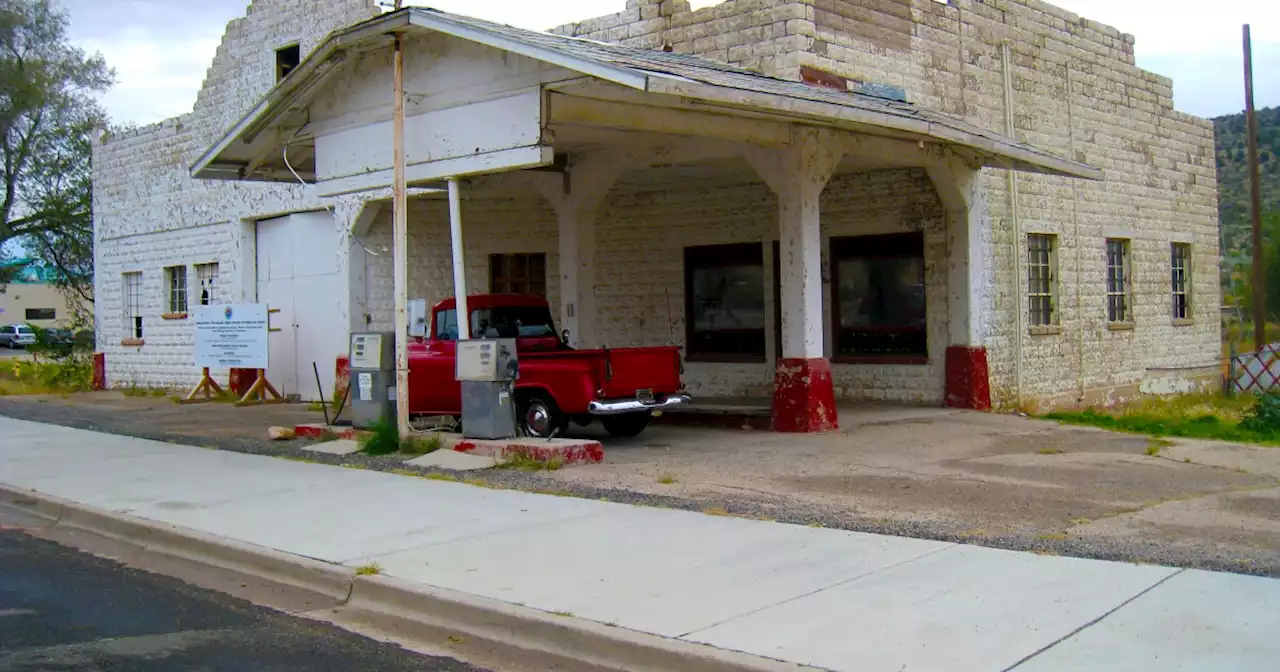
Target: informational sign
(366, 386)
(231, 336)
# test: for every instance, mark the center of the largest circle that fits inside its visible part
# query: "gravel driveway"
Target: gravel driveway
(987, 479)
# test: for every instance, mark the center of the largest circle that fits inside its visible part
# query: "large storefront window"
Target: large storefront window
(878, 298)
(724, 303)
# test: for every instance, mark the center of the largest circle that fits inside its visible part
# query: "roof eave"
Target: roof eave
(1021, 157)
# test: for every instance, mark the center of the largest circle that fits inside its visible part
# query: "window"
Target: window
(287, 58)
(132, 305)
(878, 297)
(1119, 283)
(175, 278)
(512, 322)
(724, 302)
(207, 277)
(518, 274)
(1180, 263)
(1042, 279)
(447, 325)
(42, 314)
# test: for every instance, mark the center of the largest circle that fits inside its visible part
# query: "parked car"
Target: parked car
(17, 336)
(621, 387)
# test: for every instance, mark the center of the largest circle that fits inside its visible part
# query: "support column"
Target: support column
(804, 395)
(576, 197)
(959, 187)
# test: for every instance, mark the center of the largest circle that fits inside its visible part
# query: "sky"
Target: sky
(160, 49)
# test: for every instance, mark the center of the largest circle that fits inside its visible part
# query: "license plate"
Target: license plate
(644, 396)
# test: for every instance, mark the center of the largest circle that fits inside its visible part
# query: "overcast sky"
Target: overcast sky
(160, 49)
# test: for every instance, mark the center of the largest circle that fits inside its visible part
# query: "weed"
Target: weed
(716, 511)
(528, 462)
(299, 458)
(1054, 536)
(369, 569)
(383, 440)
(316, 407)
(134, 391)
(353, 465)
(666, 479)
(159, 392)
(566, 614)
(1153, 447)
(1187, 460)
(1049, 451)
(405, 472)
(420, 445)
(443, 477)
(1080, 521)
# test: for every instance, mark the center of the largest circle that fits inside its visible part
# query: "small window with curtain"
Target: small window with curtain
(518, 274)
(1119, 282)
(176, 280)
(1042, 280)
(878, 298)
(207, 278)
(1180, 263)
(724, 303)
(447, 325)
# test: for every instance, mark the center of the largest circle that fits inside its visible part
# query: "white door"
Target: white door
(298, 276)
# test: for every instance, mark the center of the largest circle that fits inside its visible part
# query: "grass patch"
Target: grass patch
(369, 569)
(666, 479)
(1049, 451)
(716, 511)
(26, 377)
(316, 407)
(443, 477)
(421, 445)
(1193, 416)
(527, 462)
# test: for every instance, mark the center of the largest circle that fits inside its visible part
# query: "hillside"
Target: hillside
(1233, 179)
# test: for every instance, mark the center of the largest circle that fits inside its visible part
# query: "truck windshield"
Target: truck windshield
(512, 322)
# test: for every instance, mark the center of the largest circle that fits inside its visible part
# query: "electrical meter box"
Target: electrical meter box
(487, 370)
(417, 317)
(373, 378)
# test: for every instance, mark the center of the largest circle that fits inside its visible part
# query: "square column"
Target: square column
(959, 187)
(576, 197)
(804, 396)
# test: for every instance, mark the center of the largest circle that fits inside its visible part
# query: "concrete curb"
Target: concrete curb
(416, 612)
(329, 580)
(554, 641)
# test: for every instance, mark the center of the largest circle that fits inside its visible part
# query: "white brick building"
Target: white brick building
(918, 257)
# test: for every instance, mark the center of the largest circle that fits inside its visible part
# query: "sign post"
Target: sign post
(233, 336)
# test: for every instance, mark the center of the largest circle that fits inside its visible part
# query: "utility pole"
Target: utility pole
(400, 243)
(1255, 205)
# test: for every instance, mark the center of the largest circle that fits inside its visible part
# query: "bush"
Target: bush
(383, 440)
(1264, 417)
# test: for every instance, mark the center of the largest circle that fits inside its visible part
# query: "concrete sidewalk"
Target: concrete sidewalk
(825, 598)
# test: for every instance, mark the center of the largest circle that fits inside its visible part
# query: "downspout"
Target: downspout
(1016, 221)
(1075, 232)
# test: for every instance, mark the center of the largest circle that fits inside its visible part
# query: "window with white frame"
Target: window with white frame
(1180, 263)
(1042, 279)
(1119, 281)
(207, 277)
(175, 278)
(132, 305)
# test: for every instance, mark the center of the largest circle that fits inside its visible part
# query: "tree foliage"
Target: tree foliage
(1233, 176)
(47, 116)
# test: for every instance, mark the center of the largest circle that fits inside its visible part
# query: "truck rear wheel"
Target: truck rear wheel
(539, 416)
(626, 425)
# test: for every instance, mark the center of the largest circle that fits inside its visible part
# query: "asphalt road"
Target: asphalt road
(63, 610)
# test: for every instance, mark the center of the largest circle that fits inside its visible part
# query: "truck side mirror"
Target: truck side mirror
(564, 337)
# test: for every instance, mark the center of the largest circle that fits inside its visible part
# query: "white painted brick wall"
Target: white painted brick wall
(149, 212)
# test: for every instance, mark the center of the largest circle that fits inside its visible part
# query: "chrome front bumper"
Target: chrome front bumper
(636, 406)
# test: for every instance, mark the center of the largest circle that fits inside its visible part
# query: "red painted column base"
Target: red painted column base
(341, 378)
(99, 371)
(968, 381)
(240, 380)
(804, 399)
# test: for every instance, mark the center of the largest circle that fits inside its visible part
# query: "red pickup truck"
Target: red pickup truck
(622, 387)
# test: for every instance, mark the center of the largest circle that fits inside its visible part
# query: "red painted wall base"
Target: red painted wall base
(968, 382)
(240, 380)
(804, 399)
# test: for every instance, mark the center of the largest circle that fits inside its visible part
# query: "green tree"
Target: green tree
(47, 115)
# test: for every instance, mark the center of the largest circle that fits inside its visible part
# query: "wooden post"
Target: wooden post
(262, 392)
(1255, 202)
(207, 385)
(400, 243)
